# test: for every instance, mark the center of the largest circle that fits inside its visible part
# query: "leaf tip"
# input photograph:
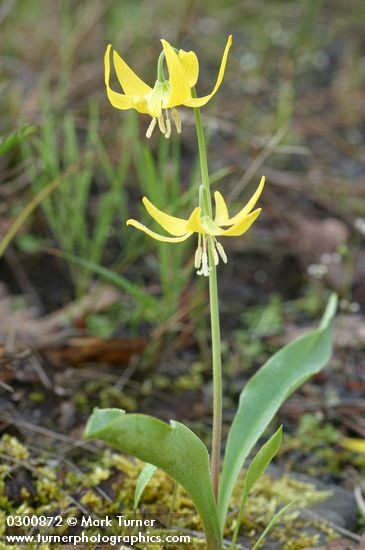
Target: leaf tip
(99, 419)
(330, 310)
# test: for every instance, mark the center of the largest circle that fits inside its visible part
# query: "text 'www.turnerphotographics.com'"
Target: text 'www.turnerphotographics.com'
(109, 529)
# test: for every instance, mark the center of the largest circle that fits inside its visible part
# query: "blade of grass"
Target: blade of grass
(11, 140)
(109, 275)
(25, 213)
(271, 524)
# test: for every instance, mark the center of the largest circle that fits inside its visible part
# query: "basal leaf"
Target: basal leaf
(266, 391)
(171, 447)
(261, 461)
(256, 470)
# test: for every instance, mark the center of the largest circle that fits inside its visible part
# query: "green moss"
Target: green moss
(107, 396)
(12, 447)
(104, 483)
(37, 396)
(323, 455)
(268, 496)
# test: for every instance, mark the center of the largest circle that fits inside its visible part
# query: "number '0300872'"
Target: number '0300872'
(34, 521)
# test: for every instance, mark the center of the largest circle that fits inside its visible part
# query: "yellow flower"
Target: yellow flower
(183, 68)
(206, 228)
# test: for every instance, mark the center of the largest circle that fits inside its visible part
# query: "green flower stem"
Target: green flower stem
(217, 375)
(203, 158)
(214, 318)
(160, 71)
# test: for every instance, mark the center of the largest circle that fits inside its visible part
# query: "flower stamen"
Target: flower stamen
(198, 254)
(205, 269)
(215, 254)
(201, 254)
(151, 127)
(161, 124)
(168, 126)
(177, 120)
(221, 251)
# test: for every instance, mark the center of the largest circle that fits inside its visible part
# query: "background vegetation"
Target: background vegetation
(92, 312)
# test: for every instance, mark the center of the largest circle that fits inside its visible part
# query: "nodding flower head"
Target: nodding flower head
(161, 101)
(208, 229)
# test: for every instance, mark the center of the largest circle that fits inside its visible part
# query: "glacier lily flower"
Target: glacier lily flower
(208, 230)
(166, 95)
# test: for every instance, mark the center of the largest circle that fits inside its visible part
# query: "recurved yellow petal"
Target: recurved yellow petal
(140, 104)
(179, 83)
(199, 101)
(156, 236)
(241, 226)
(190, 65)
(221, 212)
(194, 222)
(251, 203)
(174, 226)
(120, 101)
(130, 82)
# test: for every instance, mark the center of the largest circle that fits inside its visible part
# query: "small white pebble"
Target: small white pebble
(344, 304)
(326, 258)
(317, 270)
(336, 258)
(359, 224)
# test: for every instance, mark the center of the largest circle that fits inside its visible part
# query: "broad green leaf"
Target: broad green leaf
(142, 482)
(266, 391)
(11, 140)
(271, 524)
(171, 447)
(256, 470)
